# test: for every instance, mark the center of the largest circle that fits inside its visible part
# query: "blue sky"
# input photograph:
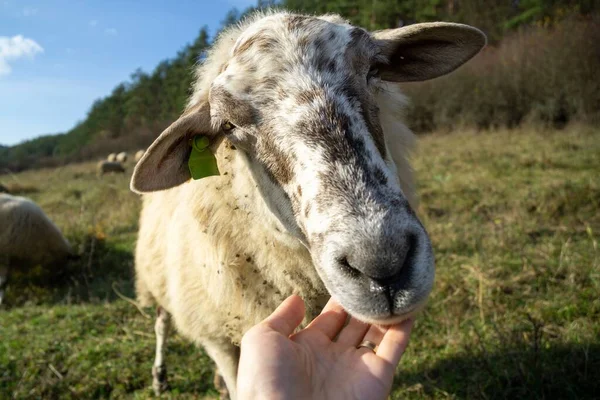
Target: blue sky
(58, 56)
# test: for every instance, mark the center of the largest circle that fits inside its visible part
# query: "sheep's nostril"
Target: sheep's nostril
(346, 267)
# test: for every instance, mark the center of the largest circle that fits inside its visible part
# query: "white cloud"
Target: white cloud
(13, 48)
(93, 23)
(111, 31)
(29, 11)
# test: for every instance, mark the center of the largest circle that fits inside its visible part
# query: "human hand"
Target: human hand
(276, 364)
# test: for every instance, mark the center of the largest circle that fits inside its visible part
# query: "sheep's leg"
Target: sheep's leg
(220, 385)
(3, 280)
(227, 356)
(159, 370)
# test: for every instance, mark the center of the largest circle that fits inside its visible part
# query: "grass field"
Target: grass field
(514, 217)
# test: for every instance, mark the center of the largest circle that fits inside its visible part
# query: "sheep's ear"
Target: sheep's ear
(164, 164)
(425, 51)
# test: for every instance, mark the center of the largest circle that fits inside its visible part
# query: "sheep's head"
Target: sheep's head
(297, 96)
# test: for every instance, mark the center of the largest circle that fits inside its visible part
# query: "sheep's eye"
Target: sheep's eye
(227, 126)
(373, 72)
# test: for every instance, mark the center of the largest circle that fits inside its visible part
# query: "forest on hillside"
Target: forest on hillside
(540, 68)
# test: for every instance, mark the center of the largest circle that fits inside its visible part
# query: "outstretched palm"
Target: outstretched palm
(310, 364)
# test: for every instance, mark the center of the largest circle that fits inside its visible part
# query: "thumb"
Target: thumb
(287, 316)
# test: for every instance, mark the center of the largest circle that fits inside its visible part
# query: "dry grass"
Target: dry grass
(515, 313)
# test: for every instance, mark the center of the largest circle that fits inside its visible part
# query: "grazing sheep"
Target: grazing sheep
(315, 194)
(138, 155)
(122, 157)
(112, 157)
(105, 167)
(27, 237)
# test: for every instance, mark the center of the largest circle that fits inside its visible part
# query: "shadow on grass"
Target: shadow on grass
(99, 267)
(557, 372)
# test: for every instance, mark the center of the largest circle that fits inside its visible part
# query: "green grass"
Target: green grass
(515, 313)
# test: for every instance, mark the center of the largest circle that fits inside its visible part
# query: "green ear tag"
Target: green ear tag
(202, 161)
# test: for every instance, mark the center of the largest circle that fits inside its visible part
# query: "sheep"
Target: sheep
(315, 194)
(122, 157)
(27, 237)
(138, 155)
(112, 157)
(105, 167)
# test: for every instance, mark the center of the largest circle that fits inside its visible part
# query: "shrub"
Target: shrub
(534, 76)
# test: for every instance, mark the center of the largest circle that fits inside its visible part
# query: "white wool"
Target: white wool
(212, 254)
(27, 236)
(121, 157)
(105, 167)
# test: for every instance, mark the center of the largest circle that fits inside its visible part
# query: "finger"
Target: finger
(287, 316)
(331, 320)
(395, 341)
(375, 334)
(353, 333)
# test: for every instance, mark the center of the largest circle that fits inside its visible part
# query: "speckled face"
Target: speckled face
(299, 92)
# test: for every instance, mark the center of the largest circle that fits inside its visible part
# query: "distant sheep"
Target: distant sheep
(138, 155)
(315, 193)
(112, 157)
(27, 237)
(122, 157)
(105, 167)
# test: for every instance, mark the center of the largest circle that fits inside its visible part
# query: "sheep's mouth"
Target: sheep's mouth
(392, 317)
(385, 311)
(381, 307)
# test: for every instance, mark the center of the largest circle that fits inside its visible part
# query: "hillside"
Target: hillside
(515, 311)
(482, 96)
